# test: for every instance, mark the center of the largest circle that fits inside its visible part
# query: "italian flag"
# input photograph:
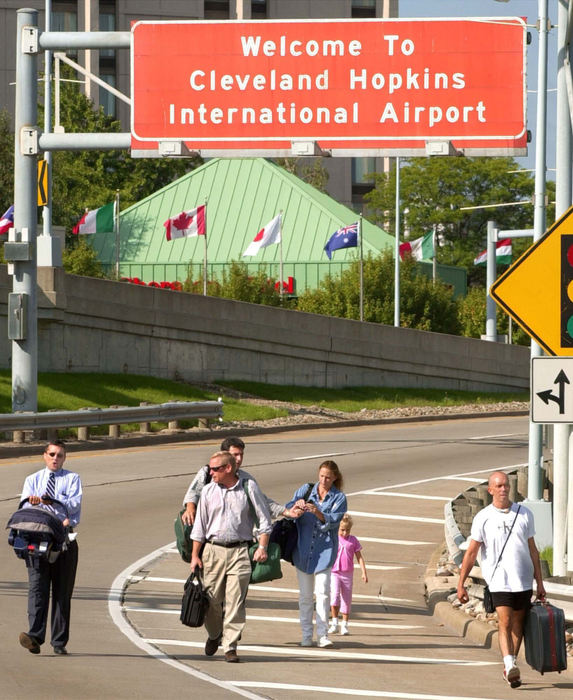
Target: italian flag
(502, 253)
(96, 221)
(420, 248)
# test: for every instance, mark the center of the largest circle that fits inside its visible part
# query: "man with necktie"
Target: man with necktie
(59, 490)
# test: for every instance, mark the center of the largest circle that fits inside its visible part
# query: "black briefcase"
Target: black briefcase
(195, 601)
(544, 637)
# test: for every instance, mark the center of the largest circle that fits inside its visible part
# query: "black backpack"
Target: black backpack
(285, 534)
(195, 601)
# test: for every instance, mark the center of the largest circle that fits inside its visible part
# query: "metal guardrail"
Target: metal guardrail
(164, 412)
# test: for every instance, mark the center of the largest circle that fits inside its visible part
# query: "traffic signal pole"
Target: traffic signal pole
(562, 457)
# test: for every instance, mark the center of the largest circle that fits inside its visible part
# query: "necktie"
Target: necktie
(51, 486)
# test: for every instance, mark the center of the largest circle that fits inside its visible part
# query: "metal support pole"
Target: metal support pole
(490, 305)
(397, 249)
(562, 432)
(535, 461)
(25, 348)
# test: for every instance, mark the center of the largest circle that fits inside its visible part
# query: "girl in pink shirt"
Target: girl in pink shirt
(342, 573)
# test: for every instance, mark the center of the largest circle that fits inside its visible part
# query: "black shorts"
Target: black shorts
(517, 601)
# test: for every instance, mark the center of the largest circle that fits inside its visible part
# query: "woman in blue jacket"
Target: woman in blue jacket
(317, 545)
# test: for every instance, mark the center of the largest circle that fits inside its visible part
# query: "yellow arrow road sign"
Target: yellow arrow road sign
(42, 183)
(537, 290)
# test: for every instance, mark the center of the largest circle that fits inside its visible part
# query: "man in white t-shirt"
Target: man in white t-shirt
(510, 579)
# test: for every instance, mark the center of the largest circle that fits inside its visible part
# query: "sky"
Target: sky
(513, 8)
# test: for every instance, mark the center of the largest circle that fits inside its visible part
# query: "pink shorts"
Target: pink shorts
(341, 590)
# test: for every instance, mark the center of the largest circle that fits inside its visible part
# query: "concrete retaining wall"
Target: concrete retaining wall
(89, 325)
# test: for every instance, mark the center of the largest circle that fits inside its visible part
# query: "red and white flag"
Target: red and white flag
(188, 223)
(268, 235)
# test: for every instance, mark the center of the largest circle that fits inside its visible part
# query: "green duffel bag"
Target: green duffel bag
(183, 537)
(268, 570)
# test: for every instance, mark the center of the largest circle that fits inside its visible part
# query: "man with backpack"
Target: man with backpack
(236, 447)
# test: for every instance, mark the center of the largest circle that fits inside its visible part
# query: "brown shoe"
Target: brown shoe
(211, 646)
(231, 657)
(29, 643)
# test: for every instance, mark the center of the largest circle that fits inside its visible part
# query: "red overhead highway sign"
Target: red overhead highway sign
(348, 85)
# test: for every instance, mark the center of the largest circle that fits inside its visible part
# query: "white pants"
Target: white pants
(319, 584)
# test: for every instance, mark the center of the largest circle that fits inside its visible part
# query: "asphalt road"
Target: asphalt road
(397, 479)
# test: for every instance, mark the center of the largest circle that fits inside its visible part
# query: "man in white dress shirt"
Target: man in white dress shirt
(60, 575)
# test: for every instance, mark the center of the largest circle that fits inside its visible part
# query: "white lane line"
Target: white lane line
(381, 567)
(408, 495)
(381, 540)
(355, 691)
(265, 618)
(493, 437)
(327, 454)
(410, 518)
(321, 653)
(464, 478)
(487, 470)
(271, 589)
(114, 607)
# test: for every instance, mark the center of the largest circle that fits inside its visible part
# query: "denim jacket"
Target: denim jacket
(317, 543)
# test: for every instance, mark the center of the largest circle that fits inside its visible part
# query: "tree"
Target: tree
(313, 173)
(82, 259)
(433, 192)
(239, 284)
(424, 305)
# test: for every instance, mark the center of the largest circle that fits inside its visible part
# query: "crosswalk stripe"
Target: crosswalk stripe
(320, 653)
(268, 618)
(353, 691)
(385, 516)
(407, 495)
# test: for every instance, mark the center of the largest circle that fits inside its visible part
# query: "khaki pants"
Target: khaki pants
(226, 574)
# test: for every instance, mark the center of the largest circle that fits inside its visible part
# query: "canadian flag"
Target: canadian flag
(188, 223)
(269, 234)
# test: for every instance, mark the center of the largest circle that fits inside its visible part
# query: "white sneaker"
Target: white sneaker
(344, 628)
(324, 642)
(333, 626)
(306, 642)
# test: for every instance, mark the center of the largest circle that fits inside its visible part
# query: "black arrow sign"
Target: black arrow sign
(547, 396)
(42, 182)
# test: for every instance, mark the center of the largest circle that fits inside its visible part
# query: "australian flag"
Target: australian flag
(345, 237)
(7, 220)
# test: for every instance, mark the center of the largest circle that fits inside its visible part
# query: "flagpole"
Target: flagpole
(205, 254)
(434, 262)
(281, 253)
(116, 231)
(397, 251)
(361, 269)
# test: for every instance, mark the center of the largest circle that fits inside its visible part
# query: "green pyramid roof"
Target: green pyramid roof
(242, 195)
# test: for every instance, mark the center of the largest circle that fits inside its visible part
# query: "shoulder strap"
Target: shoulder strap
(208, 475)
(308, 491)
(251, 506)
(508, 536)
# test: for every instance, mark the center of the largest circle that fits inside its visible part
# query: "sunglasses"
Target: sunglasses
(217, 469)
(56, 454)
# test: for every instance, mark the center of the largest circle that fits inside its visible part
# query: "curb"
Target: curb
(12, 449)
(437, 590)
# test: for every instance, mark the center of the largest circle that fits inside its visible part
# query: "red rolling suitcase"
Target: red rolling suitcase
(544, 637)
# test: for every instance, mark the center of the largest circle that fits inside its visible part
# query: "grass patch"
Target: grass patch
(70, 392)
(354, 399)
(547, 554)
